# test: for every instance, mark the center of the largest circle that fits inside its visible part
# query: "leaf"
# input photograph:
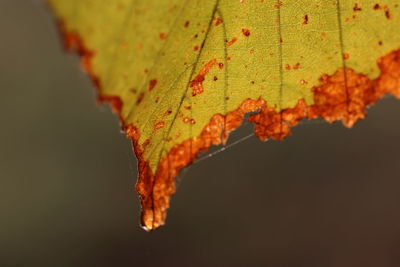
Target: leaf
(182, 74)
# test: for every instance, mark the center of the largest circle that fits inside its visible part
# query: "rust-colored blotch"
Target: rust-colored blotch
(232, 41)
(197, 83)
(246, 32)
(152, 84)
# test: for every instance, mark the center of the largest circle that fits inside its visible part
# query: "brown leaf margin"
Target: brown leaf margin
(332, 101)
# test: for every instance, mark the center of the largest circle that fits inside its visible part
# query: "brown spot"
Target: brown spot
(294, 67)
(186, 24)
(139, 98)
(74, 42)
(189, 120)
(278, 5)
(356, 8)
(197, 83)
(115, 102)
(386, 10)
(387, 14)
(276, 125)
(215, 78)
(346, 56)
(152, 84)
(333, 103)
(146, 143)
(218, 21)
(246, 32)
(163, 36)
(196, 48)
(232, 41)
(159, 125)
(305, 21)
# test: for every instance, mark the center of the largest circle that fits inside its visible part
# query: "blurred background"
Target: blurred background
(325, 197)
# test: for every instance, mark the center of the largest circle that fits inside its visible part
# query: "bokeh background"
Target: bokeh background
(325, 197)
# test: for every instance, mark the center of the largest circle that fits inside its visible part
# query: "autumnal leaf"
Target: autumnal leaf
(182, 74)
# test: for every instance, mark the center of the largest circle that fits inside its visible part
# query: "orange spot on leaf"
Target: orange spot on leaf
(218, 21)
(305, 21)
(356, 7)
(152, 84)
(139, 98)
(163, 36)
(197, 83)
(159, 125)
(246, 32)
(232, 41)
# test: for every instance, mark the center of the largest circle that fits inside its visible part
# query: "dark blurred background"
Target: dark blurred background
(325, 197)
